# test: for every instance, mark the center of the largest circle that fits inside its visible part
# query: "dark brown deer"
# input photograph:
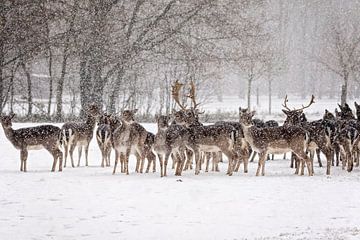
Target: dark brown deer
(79, 134)
(33, 138)
(205, 138)
(348, 139)
(129, 138)
(103, 137)
(275, 140)
(321, 132)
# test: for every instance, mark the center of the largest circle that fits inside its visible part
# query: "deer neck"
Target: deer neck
(91, 121)
(10, 134)
(247, 132)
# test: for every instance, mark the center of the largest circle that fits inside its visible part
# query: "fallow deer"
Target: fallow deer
(275, 140)
(348, 139)
(129, 138)
(320, 132)
(205, 138)
(103, 137)
(33, 138)
(79, 134)
(170, 139)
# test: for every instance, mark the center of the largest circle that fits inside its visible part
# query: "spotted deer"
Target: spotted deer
(170, 140)
(275, 140)
(205, 138)
(33, 138)
(129, 138)
(103, 137)
(347, 138)
(321, 132)
(79, 134)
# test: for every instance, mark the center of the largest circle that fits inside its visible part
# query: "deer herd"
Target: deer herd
(187, 141)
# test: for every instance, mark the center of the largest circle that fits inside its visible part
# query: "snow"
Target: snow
(91, 203)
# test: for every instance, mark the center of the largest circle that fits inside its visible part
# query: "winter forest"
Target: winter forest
(155, 119)
(57, 56)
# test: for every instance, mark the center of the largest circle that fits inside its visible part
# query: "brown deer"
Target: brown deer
(129, 138)
(103, 137)
(170, 140)
(33, 138)
(348, 139)
(321, 132)
(79, 134)
(205, 138)
(275, 140)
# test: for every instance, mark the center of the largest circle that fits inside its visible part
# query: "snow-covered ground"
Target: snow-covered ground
(91, 203)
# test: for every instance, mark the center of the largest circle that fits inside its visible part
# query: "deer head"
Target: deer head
(6, 120)
(295, 116)
(128, 116)
(162, 121)
(246, 118)
(346, 112)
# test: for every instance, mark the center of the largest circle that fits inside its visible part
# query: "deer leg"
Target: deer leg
(79, 154)
(182, 161)
(59, 155)
(207, 159)
(137, 167)
(261, 164)
(87, 154)
(214, 156)
(71, 151)
(149, 164)
(103, 156)
(142, 161)
(284, 157)
(23, 158)
(55, 157)
(318, 157)
(161, 162)
(253, 156)
(304, 158)
(173, 161)
(197, 161)
(122, 162)
(117, 156)
(127, 156)
(357, 157)
(350, 162)
(66, 147)
(292, 160)
(272, 156)
(329, 154)
(246, 160)
(167, 155)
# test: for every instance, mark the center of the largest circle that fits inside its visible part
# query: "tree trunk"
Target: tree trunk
(2, 53)
(249, 93)
(85, 83)
(115, 91)
(344, 90)
(60, 87)
(29, 88)
(270, 93)
(50, 82)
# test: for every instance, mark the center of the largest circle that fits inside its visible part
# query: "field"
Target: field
(91, 203)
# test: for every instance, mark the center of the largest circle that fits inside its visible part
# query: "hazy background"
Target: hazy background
(57, 56)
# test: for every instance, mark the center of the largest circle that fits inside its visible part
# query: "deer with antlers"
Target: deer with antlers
(33, 138)
(275, 140)
(321, 131)
(205, 138)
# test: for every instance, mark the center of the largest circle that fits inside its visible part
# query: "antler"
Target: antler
(300, 109)
(310, 103)
(285, 103)
(192, 94)
(175, 92)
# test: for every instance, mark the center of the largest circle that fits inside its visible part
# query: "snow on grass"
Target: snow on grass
(91, 203)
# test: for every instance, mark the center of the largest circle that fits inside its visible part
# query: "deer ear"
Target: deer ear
(356, 105)
(341, 108)
(252, 113)
(12, 115)
(135, 111)
(326, 111)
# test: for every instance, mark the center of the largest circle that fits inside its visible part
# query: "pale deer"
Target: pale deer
(129, 138)
(170, 140)
(33, 138)
(103, 137)
(275, 140)
(79, 134)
